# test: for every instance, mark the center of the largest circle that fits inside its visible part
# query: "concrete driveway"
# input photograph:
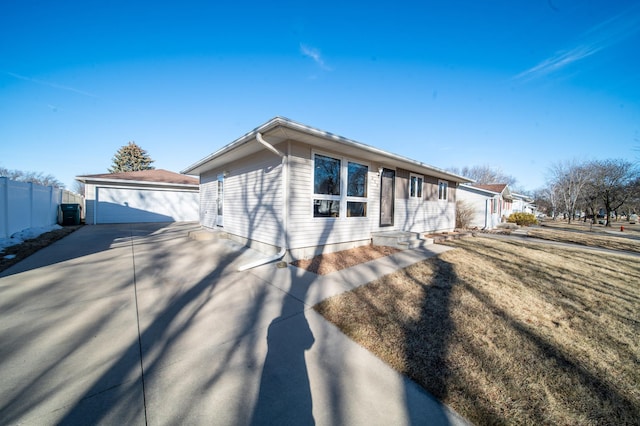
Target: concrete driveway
(137, 324)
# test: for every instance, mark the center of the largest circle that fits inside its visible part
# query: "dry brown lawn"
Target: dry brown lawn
(579, 225)
(509, 332)
(595, 238)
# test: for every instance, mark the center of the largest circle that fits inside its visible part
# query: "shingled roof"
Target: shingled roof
(154, 176)
(494, 187)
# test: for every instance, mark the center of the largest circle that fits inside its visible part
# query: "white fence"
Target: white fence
(27, 205)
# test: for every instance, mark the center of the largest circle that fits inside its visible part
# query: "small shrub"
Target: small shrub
(464, 214)
(522, 219)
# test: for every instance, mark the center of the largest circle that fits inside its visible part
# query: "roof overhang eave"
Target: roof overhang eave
(203, 165)
(383, 157)
(94, 181)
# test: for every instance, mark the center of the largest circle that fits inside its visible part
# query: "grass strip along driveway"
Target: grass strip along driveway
(590, 239)
(509, 332)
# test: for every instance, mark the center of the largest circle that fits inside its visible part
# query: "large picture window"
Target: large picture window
(339, 187)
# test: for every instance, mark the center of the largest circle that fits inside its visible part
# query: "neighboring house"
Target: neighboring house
(523, 204)
(292, 187)
(143, 196)
(491, 203)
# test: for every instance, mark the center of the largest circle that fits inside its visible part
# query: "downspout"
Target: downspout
(487, 212)
(285, 210)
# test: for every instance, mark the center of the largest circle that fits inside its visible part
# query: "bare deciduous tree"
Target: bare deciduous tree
(484, 174)
(568, 179)
(547, 199)
(78, 187)
(614, 182)
(31, 177)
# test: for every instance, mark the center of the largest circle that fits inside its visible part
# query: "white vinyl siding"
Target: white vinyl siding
(90, 198)
(253, 198)
(253, 201)
(418, 215)
(425, 214)
(482, 205)
(208, 197)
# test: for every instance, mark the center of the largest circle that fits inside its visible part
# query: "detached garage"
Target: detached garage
(144, 196)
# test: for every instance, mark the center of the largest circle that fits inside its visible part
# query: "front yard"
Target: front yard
(590, 235)
(509, 332)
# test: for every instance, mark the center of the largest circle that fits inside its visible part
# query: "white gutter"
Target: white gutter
(267, 145)
(285, 211)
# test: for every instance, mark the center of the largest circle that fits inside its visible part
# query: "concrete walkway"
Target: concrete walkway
(137, 324)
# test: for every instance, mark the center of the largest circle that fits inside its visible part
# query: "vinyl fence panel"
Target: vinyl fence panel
(27, 205)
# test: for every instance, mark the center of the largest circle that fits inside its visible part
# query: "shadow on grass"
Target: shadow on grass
(585, 393)
(428, 341)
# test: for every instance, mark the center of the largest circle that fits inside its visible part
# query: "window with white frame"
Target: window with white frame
(356, 189)
(326, 186)
(339, 187)
(443, 189)
(415, 186)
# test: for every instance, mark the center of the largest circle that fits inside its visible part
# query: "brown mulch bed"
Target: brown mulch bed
(28, 247)
(331, 262)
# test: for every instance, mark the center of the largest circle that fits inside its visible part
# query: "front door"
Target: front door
(387, 196)
(220, 200)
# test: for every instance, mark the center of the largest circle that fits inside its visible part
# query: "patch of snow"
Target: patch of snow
(25, 234)
(10, 256)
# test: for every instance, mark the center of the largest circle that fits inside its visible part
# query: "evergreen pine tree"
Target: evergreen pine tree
(131, 158)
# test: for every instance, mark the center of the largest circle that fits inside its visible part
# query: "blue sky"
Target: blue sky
(512, 84)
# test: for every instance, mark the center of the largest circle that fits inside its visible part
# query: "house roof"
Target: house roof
(493, 187)
(280, 129)
(156, 176)
(478, 190)
(523, 197)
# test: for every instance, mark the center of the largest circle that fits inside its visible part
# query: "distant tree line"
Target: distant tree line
(486, 175)
(31, 177)
(583, 189)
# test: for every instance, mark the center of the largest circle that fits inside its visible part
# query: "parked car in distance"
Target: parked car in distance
(633, 219)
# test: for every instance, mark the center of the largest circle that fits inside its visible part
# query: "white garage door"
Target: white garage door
(124, 205)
